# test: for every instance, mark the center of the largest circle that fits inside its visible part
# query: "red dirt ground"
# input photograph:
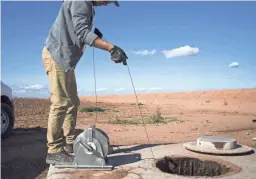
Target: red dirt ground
(221, 113)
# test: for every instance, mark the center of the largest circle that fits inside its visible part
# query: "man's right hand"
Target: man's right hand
(118, 55)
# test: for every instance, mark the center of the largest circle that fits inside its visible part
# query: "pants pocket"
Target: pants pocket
(46, 60)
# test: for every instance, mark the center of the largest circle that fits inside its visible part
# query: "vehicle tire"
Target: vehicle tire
(7, 120)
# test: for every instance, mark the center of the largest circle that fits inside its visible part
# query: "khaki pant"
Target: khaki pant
(64, 104)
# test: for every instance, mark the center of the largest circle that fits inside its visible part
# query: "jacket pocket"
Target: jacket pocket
(68, 51)
(71, 53)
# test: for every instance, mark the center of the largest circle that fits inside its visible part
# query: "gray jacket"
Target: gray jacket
(70, 33)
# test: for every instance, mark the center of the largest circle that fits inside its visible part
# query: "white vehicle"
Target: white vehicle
(7, 111)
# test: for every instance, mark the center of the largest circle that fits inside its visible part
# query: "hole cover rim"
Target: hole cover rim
(192, 146)
(216, 139)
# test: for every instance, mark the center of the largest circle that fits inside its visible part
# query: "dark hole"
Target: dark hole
(191, 167)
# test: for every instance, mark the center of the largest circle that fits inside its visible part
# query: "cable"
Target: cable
(140, 110)
(95, 85)
(135, 96)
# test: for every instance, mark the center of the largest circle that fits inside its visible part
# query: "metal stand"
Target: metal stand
(91, 148)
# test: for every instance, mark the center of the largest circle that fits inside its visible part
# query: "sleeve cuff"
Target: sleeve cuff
(90, 37)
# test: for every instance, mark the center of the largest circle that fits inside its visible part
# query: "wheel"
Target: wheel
(7, 120)
(98, 135)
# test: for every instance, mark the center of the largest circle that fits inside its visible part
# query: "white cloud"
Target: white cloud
(232, 76)
(33, 87)
(140, 89)
(181, 51)
(155, 88)
(33, 90)
(234, 65)
(19, 91)
(144, 52)
(102, 89)
(119, 89)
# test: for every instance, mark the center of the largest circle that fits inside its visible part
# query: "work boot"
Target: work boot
(69, 149)
(61, 158)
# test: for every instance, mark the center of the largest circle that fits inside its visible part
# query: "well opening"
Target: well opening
(189, 166)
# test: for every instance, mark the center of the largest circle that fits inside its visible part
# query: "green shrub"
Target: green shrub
(92, 109)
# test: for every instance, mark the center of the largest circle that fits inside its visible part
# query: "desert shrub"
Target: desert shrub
(92, 109)
(157, 117)
(123, 121)
(140, 104)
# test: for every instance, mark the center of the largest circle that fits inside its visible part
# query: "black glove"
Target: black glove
(98, 33)
(118, 55)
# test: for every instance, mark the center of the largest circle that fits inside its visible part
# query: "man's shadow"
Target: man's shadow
(24, 153)
(122, 149)
(122, 155)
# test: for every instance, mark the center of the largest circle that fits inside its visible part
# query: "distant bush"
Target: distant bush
(92, 109)
(157, 117)
(123, 121)
(140, 104)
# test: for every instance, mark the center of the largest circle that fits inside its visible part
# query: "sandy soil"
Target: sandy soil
(193, 114)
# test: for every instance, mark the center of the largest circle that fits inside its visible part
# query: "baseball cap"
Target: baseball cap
(116, 3)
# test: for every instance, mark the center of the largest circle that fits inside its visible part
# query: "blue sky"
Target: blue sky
(171, 46)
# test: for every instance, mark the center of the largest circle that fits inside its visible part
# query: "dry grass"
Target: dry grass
(156, 118)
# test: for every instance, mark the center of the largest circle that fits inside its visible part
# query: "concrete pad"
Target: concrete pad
(132, 162)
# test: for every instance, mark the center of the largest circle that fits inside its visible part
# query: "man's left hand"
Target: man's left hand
(98, 33)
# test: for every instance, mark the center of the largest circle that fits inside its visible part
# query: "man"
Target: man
(64, 46)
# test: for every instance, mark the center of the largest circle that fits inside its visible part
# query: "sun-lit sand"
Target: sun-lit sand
(189, 115)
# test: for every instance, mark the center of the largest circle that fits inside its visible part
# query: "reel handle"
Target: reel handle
(86, 146)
